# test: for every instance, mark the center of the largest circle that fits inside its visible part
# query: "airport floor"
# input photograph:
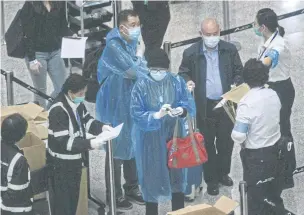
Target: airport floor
(185, 23)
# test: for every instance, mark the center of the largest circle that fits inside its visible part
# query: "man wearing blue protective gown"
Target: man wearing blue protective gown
(156, 105)
(120, 65)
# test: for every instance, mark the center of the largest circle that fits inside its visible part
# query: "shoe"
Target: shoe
(123, 204)
(213, 189)
(226, 181)
(101, 211)
(117, 213)
(135, 197)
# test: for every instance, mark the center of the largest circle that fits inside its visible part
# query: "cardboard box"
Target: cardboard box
(83, 206)
(34, 151)
(6, 111)
(34, 115)
(237, 93)
(29, 111)
(223, 206)
(42, 117)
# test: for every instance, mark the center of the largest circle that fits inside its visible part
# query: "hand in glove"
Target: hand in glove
(97, 143)
(162, 112)
(176, 112)
(140, 47)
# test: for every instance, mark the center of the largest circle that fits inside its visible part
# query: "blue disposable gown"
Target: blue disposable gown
(120, 68)
(150, 136)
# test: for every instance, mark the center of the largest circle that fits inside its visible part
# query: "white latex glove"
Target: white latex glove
(106, 128)
(140, 47)
(35, 65)
(176, 112)
(190, 85)
(162, 112)
(97, 143)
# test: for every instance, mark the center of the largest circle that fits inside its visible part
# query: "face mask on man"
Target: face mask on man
(158, 75)
(78, 100)
(211, 41)
(133, 33)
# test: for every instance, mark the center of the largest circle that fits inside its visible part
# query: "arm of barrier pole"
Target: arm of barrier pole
(235, 30)
(30, 88)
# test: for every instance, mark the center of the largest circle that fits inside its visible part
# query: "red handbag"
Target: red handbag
(188, 151)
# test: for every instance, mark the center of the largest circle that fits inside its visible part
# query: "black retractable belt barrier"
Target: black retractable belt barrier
(29, 87)
(235, 30)
(298, 170)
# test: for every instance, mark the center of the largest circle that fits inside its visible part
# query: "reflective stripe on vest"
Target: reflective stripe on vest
(64, 156)
(11, 167)
(15, 209)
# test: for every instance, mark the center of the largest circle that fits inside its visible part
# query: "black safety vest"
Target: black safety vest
(67, 131)
(16, 191)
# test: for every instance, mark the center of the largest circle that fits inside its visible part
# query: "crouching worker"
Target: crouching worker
(156, 105)
(69, 121)
(257, 129)
(16, 192)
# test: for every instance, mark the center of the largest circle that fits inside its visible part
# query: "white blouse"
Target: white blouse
(278, 47)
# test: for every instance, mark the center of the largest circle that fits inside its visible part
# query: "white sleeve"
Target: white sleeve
(242, 124)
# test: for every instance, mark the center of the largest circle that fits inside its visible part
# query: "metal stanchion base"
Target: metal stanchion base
(96, 201)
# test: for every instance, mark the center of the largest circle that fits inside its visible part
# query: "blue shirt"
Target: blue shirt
(214, 89)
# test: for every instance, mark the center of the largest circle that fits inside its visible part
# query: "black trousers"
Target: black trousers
(177, 203)
(154, 19)
(216, 128)
(261, 172)
(65, 185)
(130, 176)
(2, 212)
(286, 92)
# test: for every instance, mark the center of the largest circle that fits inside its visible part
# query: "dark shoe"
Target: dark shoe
(123, 204)
(213, 189)
(135, 197)
(117, 213)
(226, 181)
(101, 211)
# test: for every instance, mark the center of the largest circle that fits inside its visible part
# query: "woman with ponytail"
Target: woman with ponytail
(273, 52)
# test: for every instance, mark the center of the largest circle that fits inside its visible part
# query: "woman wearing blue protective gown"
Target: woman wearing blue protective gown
(156, 105)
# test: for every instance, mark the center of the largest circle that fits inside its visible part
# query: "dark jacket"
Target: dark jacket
(43, 30)
(194, 67)
(16, 191)
(66, 138)
(150, 5)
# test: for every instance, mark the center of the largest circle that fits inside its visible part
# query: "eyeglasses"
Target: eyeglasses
(156, 70)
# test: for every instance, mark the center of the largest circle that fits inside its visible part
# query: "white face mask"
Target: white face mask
(212, 41)
(158, 75)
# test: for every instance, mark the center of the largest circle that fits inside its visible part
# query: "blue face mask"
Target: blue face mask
(257, 32)
(78, 100)
(158, 75)
(134, 33)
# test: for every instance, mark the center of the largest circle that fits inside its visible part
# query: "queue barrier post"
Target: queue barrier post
(2, 23)
(167, 48)
(10, 88)
(243, 196)
(112, 181)
(116, 8)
